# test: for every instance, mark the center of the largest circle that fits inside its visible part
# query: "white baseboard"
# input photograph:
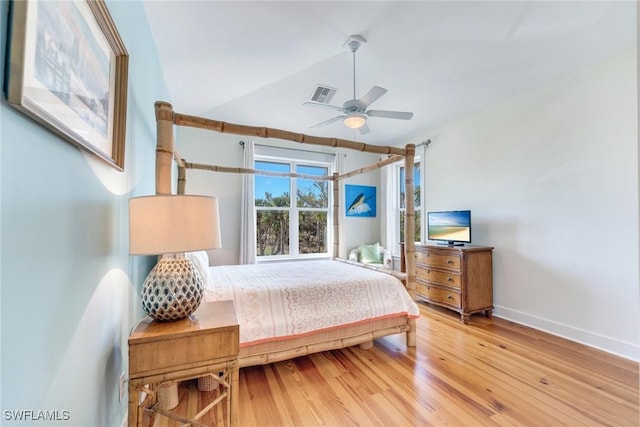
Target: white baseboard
(610, 345)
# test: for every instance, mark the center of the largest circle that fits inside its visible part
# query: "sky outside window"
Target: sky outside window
(277, 186)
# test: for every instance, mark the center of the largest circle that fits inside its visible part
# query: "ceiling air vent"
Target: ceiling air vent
(323, 94)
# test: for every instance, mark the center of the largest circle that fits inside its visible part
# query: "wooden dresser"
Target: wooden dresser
(456, 277)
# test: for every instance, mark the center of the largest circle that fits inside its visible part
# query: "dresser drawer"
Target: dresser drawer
(438, 295)
(437, 276)
(439, 260)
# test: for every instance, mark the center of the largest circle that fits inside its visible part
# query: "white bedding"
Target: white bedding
(276, 301)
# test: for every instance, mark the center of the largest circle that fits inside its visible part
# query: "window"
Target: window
(273, 203)
(313, 210)
(292, 214)
(417, 200)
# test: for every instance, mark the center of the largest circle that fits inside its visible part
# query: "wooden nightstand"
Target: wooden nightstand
(162, 353)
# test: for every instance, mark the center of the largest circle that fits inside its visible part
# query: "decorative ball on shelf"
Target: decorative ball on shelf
(173, 290)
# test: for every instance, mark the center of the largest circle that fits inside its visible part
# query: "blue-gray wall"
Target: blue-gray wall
(69, 288)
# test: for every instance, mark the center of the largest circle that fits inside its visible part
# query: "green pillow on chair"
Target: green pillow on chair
(370, 254)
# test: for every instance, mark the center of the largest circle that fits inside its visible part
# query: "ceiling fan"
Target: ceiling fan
(354, 111)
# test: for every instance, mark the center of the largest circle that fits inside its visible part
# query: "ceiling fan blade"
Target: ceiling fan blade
(327, 122)
(371, 96)
(320, 104)
(364, 129)
(402, 115)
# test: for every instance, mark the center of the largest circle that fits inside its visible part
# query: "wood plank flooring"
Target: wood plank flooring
(490, 372)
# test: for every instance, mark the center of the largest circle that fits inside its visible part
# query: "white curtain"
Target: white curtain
(388, 208)
(339, 168)
(248, 213)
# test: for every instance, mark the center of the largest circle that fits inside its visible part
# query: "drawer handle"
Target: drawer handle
(449, 261)
(449, 279)
(449, 297)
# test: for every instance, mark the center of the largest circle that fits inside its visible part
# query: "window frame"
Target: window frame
(294, 210)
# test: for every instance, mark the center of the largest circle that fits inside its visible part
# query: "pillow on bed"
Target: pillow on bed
(201, 261)
(370, 254)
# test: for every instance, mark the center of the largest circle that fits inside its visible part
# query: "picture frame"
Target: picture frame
(68, 70)
(360, 200)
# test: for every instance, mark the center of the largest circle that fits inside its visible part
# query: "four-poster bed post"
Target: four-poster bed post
(165, 153)
(263, 132)
(409, 227)
(182, 179)
(164, 147)
(336, 213)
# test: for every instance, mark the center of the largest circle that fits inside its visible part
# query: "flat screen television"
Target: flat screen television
(449, 227)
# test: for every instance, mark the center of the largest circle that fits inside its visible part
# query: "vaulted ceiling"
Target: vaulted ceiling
(256, 63)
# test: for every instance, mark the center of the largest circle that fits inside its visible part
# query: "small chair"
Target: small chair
(374, 255)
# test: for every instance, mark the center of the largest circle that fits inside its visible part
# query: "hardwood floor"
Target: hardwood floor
(490, 372)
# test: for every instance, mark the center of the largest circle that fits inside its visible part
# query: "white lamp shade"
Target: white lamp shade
(165, 224)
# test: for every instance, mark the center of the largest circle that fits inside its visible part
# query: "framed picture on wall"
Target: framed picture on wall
(67, 69)
(360, 200)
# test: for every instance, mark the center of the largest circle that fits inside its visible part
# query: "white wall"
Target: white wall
(357, 230)
(69, 293)
(551, 178)
(213, 148)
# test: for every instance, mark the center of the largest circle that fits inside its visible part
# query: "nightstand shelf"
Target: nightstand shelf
(163, 353)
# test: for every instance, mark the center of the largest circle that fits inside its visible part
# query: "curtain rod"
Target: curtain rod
(286, 148)
(425, 142)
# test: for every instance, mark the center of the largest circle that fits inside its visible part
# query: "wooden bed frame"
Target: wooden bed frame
(364, 334)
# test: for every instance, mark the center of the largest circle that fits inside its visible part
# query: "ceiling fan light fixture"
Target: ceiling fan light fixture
(354, 111)
(355, 120)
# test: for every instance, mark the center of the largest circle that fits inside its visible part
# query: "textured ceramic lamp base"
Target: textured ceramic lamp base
(173, 289)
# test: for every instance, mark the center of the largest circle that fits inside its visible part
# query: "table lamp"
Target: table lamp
(170, 225)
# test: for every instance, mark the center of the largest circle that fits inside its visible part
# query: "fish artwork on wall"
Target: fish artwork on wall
(360, 200)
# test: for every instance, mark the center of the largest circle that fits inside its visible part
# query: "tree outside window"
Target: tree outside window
(272, 202)
(313, 210)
